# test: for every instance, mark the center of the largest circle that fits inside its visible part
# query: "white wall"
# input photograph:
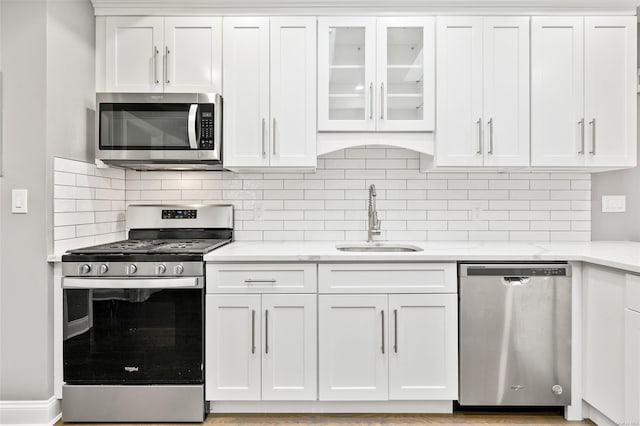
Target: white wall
(25, 367)
(48, 64)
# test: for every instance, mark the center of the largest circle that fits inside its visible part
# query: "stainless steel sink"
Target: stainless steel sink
(378, 247)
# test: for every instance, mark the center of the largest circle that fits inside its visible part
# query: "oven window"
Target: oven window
(133, 336)
(144, 126)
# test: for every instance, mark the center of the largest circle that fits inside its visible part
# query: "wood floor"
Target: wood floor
(374, 419)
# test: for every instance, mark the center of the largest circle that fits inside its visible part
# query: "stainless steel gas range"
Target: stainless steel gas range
(133, 346)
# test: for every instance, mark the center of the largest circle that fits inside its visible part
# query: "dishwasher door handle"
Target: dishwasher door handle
(515, 281)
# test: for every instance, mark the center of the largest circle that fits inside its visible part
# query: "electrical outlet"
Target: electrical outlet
(614, 204)
(476, 212)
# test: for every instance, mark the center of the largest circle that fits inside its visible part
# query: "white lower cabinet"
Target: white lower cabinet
(386, 346)
(260, 347)
(632, 367)
(632, 351)
(423, 347)
(396, 347)
(603, 340)
(353, 339)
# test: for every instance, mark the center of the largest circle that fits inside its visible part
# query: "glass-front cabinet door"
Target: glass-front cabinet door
(405, 74)
(346, 74)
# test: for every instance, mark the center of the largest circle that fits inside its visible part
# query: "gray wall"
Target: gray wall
(47, 50)
(616, 226)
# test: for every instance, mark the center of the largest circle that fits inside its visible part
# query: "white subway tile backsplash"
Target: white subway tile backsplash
(64, 206)
(96, 205)
(331, 204)
(88, 203)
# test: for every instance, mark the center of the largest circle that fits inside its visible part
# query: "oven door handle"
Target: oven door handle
(139, 283)
(191, 126)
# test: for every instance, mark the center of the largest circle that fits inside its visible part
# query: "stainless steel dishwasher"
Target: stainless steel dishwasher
(515, 334)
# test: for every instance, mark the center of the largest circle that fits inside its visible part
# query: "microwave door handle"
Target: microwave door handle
(191, 126)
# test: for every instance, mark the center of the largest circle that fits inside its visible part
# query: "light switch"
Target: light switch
(614, 204)
(19, 200)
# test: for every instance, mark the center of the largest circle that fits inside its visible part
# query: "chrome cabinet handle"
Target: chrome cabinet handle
(274, 135)
(581, 124)
(252, 280)
(490, 123)
(155, 64)
(382, 316)
(166, 64)
(395, 330)
(264, 149)
(592, 123)
(382, 101)
(479, 123)
(266, 331)
(371, 101)
(253, 331)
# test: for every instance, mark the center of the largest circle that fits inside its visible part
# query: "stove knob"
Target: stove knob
(85, 269)
(179, 269)
(103, 268)
(160, 269)
(132, 269)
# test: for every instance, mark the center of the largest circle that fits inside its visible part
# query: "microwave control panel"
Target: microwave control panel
(206, 126)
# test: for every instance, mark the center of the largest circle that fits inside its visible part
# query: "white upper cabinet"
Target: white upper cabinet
(193, 55)
(155, 54)
(270, 97)
(133, 54)
(610, 90)
(246, 91)
(557, 116)
(583, 74)
(482, 91)
(376, 74)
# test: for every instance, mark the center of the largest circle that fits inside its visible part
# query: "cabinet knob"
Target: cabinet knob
(556, 389)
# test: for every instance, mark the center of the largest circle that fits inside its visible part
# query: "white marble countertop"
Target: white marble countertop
(616, 254)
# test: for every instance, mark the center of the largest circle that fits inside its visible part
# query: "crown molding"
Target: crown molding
(362, 7)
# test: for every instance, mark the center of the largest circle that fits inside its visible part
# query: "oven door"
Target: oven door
(133, 331)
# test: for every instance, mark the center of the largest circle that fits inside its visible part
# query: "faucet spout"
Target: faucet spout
(374, 222)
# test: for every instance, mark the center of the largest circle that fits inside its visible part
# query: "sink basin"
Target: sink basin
(378, 247)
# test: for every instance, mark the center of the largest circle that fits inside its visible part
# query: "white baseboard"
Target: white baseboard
(331, 407)
(596, 416)
(37, 413)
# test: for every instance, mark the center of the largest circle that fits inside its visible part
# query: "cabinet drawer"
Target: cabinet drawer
(632, 292)
(388, 278)
(259, 278)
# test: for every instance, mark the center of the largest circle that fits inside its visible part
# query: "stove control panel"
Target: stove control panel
(180, 214)
(132, 269)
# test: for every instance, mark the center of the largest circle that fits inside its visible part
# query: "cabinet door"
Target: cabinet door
(353, 347)
(506, 91)
(293, 92)
(192, 55)
(632, 367)
(246, 91)
(406, 74)
(423, 346)
(346, 73)
(133, 54)
(610, 90)
(289, 367)
(459, 91)
(557, 117)
(603, 340)
(233, 349)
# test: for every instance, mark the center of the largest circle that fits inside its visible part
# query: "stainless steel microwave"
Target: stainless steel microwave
(151, 131)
